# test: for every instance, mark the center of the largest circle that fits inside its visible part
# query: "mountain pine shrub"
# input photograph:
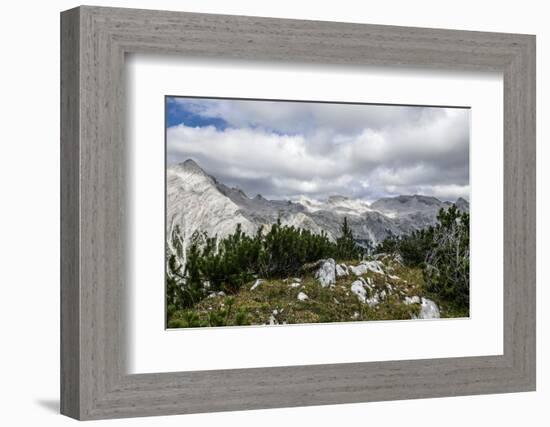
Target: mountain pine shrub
(413, 248)
(285, 249)
(346, 246)
(447, 266)
(443, 253)
(226, 265)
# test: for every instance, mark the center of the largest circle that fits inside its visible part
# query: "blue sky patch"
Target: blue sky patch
(178, 112)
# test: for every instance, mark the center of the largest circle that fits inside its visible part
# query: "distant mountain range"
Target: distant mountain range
(198, 201)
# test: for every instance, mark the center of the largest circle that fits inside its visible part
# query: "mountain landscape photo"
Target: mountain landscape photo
(282, 213)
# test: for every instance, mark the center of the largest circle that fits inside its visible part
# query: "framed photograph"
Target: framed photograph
(261, 213)
(315, 212)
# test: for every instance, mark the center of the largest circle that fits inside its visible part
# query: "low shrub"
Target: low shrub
(443, 253)
(226, 265)
(447, 265)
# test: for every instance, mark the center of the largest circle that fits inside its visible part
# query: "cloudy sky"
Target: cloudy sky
(286, 149)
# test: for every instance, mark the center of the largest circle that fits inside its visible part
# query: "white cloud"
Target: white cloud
(303, 117)
(282, 150)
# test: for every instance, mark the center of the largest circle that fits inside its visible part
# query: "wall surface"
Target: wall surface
(29, 225)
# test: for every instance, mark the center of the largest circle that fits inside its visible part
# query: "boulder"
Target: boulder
(373, 301)
(358, 270)
(326, 275)
(358, 289)
(341, 270)
(375, 266)
(412, 300)
(302, 297)
(428, 310)
(367, 284)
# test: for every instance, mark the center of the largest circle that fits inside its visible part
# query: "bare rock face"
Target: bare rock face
(326, 275)
(194, 202)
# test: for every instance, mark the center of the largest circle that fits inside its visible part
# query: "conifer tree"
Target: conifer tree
(346, 247)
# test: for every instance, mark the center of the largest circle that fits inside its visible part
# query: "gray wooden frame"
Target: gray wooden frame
(94, 41)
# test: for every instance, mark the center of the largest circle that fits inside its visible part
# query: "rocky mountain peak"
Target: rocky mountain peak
(427, 200)
(191, 166)
(197, 201)
(337, 199)
(462, 204)
(189, 171)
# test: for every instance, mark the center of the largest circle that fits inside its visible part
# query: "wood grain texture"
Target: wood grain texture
(70, 292)
(94, 235)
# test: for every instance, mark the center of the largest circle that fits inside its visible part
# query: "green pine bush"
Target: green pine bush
(443, 253)
(447, 267)
(226, 265)
(346, 246)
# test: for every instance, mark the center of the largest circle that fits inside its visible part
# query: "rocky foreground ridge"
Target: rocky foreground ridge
(378, 289)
